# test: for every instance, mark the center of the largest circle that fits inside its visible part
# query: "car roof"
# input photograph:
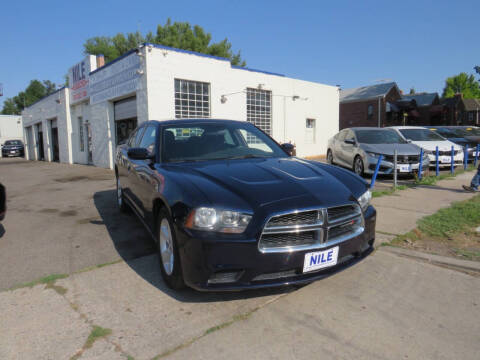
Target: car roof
(407, 127)
(368, 128)
(193, 120)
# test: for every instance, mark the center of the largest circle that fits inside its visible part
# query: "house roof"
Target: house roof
(366, 92)
(471, 104)
(422, 99)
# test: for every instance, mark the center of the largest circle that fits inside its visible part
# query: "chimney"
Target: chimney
(100, 60)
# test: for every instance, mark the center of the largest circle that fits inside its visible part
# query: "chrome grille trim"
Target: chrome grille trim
(326, 222)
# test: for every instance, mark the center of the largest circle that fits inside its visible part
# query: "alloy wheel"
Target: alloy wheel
(166, 247)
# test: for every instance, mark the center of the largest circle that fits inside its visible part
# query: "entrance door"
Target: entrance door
(88, 131)
(40, 149)
(30, 137)
(125, 115)
(55, 146)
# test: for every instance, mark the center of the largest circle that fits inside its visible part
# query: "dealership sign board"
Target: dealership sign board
(118, 79)
(78, 79)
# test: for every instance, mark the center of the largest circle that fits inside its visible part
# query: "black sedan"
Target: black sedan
(13, 148)
(230, 209)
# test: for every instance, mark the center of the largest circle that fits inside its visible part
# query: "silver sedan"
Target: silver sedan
(360, 148)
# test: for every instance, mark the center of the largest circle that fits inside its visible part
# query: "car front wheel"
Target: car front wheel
(358, 165)
(167, 246)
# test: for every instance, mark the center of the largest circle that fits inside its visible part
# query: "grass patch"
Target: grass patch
(47, 280)
(379, 193)
(97, 333)
(448, 232)
(449, 221)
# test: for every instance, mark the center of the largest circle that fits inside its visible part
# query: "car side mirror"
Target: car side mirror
(289, 149)
(350, 141)
(139, 154)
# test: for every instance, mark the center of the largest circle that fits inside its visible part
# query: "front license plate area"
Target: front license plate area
(405, 168)
(446, 160)
(320, 259)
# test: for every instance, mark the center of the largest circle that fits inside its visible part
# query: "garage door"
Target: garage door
(125, 115)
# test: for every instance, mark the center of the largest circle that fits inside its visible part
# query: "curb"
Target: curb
(465, 265)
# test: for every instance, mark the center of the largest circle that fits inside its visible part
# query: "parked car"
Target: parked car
(230, 209)
(13, 148)
(429, 140)
(3, 202)
(360, 148)
(460, 136)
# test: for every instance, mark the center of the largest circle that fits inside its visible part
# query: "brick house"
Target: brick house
(375, 105)
(460, 111)
(469, 112)
(428, 108)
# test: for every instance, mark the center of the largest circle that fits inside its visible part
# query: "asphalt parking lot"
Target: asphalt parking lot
(62, 219)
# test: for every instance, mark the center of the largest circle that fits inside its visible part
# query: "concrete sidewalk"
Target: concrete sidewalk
(398, 213)
(385, 307)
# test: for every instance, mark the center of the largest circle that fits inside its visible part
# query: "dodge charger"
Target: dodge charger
(229, 208)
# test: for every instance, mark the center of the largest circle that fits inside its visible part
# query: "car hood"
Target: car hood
(442, 145)
(389, 149)
(284, 183)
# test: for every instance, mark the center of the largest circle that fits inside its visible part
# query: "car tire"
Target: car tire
(358, 166)
(170, 266)
(122, 205)
(329, 157)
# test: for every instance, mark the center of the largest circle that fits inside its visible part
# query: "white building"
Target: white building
(47, 128)
(11, 128)
(160, 83)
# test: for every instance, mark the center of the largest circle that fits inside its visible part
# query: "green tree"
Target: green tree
(462, 83)
(9, 108)
(34, 92)
(180, 35)
(412, 91)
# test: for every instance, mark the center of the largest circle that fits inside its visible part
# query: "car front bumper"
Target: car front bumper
(386, 167)
(10, 153)
(203, 258)
(445, 160)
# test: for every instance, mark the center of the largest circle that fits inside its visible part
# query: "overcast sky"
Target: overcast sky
(351, 43)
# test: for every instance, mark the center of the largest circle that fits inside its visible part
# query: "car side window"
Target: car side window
(349, 135)
(149, 138)
(138, 137)
(341, 135)
(131, 141)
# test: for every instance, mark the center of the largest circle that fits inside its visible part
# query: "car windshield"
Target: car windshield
(421, 135)
(471, 131)
(378, 136)
(450, 132)
(216, 141)
(13, 142)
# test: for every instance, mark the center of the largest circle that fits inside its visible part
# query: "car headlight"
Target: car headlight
(374, 155)
(211, 219)
(427, 152)
(364, 200)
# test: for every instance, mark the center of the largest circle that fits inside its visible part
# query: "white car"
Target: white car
(428, 140)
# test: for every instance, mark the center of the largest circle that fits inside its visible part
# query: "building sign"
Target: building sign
(117, 79)
(78, 79)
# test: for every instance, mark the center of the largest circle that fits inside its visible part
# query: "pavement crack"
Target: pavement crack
(225, 324)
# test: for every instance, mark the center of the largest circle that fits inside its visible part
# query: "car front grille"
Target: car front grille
(447, 153)
(311, 229)
(404, 159)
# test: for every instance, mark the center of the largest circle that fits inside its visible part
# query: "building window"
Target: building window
(80, 132)
(259, 109)
(470, 116)
(370, 112)
(310, 131)
(192, 99)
